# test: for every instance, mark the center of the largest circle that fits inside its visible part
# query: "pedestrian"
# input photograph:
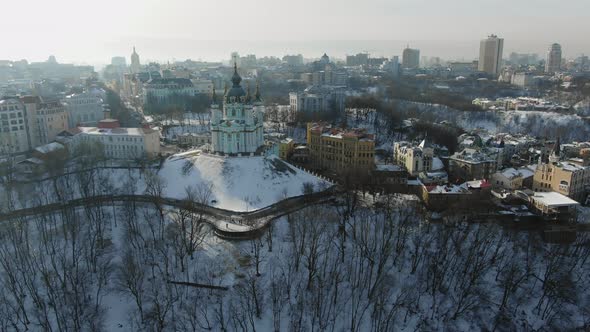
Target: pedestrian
(226, 225)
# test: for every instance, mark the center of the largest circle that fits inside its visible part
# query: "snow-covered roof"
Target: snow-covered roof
(32, 160)
(388, 167)
(115, 131)
(437, 164)
(553, 199)
(571, 167)
(49, 147)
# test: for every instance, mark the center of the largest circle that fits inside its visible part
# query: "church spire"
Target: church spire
(236, 79)
(557, 147)
(213, 97)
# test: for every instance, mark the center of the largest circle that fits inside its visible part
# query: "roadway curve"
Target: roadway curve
(226, 223)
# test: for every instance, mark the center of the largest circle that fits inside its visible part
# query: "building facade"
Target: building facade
(472, 164)
(45, 118)
(553, 62)
(83, 109)
(415, 159)
(564, 177)
(14, 136)
(237, 127)
(410, 58)
(490, 55)
(340, 150)
(135, 64)
(117, 142)
(203, 86)
(163, 91)
(318, 99)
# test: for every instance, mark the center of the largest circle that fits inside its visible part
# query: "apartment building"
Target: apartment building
(340, 150)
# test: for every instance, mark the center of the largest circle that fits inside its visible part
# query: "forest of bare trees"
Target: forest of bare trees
(356, 266)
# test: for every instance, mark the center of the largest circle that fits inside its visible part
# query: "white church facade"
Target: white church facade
(237, 127)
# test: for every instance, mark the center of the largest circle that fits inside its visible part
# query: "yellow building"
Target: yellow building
(415, 159)
(340, 150)
(564, 177)
(286, 147)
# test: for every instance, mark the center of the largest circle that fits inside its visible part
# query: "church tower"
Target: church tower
(238, 127)
(135, 64)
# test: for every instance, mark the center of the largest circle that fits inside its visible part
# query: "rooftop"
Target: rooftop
(49, 147)
(553, 199)
(115, 131)
(335, 132)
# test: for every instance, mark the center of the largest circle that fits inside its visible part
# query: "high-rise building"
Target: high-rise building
(490, 55)
(357, 60)
(553, 62)
(293, 60)
(135, 64)
(410, 58)
(119, 61)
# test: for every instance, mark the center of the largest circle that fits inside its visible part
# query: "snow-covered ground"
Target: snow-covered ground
(569, 127)
(394, 272)
(239, 183)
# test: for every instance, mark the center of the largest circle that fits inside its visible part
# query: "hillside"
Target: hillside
(238, 184)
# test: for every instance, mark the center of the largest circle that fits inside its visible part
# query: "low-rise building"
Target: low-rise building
(300, 154)
(415, 158)
(442, 197)
(194, 139)
(552, 205)
(318, 99)
(473, 164)
(286, 147)
(203, 86)
(389, 178)
(512, 178)
(162, 91)
(340, 150)
(523, 79)
(53, 150)
(563, 177)
(117, 142)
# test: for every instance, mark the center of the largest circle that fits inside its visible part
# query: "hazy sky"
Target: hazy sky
(93, 31)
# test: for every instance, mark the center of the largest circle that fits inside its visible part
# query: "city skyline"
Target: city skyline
(181, 30)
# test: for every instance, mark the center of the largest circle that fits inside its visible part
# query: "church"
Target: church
(237, 127)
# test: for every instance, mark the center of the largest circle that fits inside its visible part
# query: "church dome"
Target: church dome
(236, 89)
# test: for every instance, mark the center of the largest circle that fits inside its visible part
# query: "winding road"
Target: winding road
(227, 224)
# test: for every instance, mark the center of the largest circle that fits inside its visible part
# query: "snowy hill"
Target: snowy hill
(239, 183)
(570, 127)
